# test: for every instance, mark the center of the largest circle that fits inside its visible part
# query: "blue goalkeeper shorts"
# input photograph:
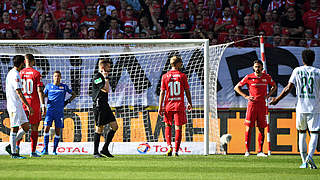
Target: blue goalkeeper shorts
(56, 117)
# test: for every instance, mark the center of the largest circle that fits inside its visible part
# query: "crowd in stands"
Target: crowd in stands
(282, 22)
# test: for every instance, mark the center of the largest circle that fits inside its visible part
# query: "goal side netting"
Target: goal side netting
(137, 67)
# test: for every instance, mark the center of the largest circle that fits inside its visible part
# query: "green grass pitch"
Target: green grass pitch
(157, 167)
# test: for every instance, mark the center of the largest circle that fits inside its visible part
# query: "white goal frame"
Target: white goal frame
(202, 42)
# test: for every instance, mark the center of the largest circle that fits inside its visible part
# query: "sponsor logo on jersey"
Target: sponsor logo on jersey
(264, 80)
(97, 81)
(61, 87)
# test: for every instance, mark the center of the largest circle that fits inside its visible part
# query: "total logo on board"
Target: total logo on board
(145, 148)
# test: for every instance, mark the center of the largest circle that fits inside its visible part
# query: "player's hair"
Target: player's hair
(17, 60)
(58, 72)
(257, 61)
(174, 60)
(308, 57)
(30, 57)
(104, 61)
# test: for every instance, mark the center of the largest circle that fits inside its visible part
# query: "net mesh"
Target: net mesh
(135, 87)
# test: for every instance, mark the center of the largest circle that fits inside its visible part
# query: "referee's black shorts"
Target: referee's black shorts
(103, 115)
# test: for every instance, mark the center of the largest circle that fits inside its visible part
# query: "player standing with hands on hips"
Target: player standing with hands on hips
(33, 92)
(257, 84)
(102, 112)
(16, 112)
(56, 93)
(173, 85)
(306, 79)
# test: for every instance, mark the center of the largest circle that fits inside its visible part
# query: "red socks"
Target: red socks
(260, 141)
(34, 140)
(247, 140)
(178, 139)
(168, 135)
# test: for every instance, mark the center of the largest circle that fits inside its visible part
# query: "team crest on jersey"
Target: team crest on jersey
(264, 80)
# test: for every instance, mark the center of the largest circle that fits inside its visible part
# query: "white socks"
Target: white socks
(313, 143)
(13, 141)
(20, 133)
(303, 146)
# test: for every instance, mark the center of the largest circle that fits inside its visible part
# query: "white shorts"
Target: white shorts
(17, 118)
(308, 120)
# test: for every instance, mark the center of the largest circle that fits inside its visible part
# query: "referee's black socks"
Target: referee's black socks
(96, 141)
(108, 140)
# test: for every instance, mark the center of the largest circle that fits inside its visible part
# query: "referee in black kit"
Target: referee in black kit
(102, 111)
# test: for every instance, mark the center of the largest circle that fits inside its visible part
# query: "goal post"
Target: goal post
(135, 76)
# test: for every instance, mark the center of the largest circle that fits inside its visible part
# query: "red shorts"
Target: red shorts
(256, 113)
(179, 117)
(36, 117)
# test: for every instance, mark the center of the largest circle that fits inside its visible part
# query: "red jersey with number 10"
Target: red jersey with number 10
(174, 83)
(31, 80)
(257, 86)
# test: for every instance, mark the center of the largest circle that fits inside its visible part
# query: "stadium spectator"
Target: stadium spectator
(102, 23)
(28, 31)
(56, 94)
(60, 13)
(169, 32)
(18, 17)
(302, 43)
(91, 17)
(276, 40)
(310, 39)
(47, 27)
(67, 34)
(310, 17)
(275, 16)
(171, 105)
(256, 110)
(130, 17)
(69, 18)
(102, 111)
(144, 26)
(114, 30)
(38, 12)
(207, 22)
(92, 34)
(293, 23)
(226, 22)
(15, 101)
(307, 109)
(267, 26)
(77, 8)
(35, 97)
(128, 31)
(6, 23)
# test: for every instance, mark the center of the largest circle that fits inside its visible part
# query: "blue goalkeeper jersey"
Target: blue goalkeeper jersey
(56, 96)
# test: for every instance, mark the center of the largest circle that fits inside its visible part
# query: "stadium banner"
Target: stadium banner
(116, 148)
(234, 65)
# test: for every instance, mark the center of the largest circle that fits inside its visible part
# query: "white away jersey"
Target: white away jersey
(13, 82)
(307, 82)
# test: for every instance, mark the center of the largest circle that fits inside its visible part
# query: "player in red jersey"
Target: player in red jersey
(32, 91)
(173, 85)
(257, 84)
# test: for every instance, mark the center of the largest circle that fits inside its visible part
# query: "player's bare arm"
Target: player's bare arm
(23, 99)
(73, 95)
(41, 97)
(272, 90)
(238, 89)
(283, 94)
(161, 98)
(188, 95)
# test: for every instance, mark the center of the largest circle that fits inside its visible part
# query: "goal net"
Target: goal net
(135, 85)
